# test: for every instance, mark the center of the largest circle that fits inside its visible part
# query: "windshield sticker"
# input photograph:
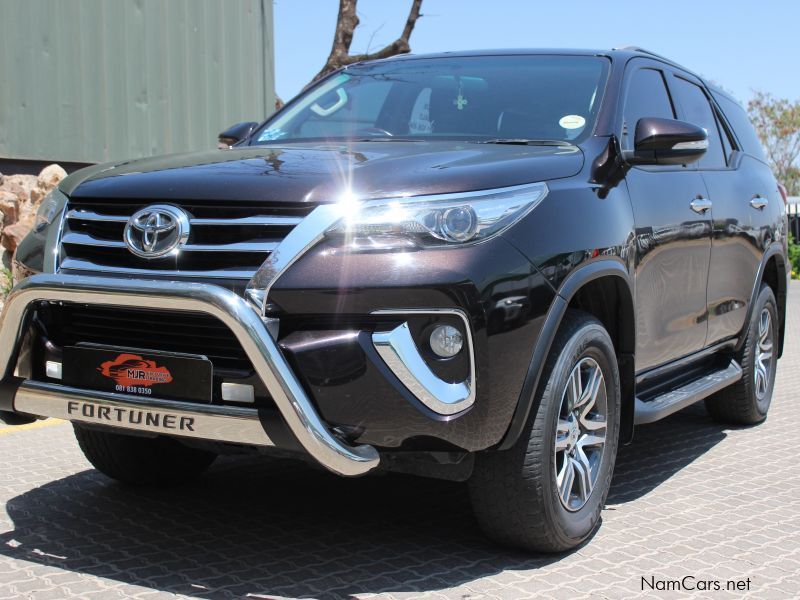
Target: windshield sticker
(273, 133)
(572, 122)
(340, 102)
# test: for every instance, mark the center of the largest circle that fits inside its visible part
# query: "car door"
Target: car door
(673, 239)
(740, 211)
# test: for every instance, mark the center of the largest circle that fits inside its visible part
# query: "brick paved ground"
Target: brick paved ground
(690, 497)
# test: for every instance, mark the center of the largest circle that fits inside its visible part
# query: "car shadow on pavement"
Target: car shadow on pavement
(266, 528)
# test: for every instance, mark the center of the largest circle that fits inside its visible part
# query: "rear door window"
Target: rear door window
(742, 128)
(697, 110)
(647, 96)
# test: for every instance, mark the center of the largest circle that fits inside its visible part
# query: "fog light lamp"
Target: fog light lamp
(52, 369)
(446, 341)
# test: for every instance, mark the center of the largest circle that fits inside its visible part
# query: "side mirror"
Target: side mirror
(666, 142)
(236, 134)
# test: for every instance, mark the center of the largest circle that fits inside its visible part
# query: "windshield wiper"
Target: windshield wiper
(525, 142)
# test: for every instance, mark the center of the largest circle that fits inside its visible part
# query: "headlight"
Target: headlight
(398, 224)
(37, 252)
(433, 221)
(50, 208)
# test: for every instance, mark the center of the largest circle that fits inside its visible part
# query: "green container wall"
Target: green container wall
(98, 80)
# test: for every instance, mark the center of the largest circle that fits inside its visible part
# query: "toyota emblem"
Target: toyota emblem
(156, 231)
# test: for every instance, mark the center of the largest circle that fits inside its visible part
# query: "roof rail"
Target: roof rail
(643, 51)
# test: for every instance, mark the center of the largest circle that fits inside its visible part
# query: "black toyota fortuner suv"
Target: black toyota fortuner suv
(479, 266)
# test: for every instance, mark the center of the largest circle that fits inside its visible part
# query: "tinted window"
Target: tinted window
(647, 97)
(467, 98)
(697, 110)
(742, 127)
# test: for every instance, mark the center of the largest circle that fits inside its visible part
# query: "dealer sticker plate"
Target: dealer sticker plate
(138, 372)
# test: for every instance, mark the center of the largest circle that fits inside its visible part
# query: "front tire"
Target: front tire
(545, 494)
(747, 401)
(141, 461)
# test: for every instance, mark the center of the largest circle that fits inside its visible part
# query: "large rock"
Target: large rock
(50, 177)
(25, 183)
(20, 198)
(8, 207)
(12, 187)
(13, 234)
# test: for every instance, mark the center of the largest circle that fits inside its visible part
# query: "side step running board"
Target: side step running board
(648, 411)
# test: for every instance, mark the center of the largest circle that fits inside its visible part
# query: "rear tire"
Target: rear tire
(523, 497)
(142, 461)
(747, 401)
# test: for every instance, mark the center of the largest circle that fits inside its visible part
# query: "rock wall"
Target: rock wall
(20, 197)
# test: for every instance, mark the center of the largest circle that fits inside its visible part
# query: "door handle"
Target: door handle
(700, 205)
(758, 203)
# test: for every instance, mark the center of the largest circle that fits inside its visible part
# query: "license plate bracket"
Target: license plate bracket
(138, 372)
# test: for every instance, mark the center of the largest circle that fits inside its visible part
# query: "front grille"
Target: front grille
(155, 331)
(165, 331)
(227, 241)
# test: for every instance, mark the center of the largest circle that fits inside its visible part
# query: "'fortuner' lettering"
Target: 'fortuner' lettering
(130, 416)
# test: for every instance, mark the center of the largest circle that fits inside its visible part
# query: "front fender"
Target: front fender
(586, 273)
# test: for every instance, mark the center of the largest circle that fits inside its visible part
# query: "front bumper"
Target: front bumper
(226, 424)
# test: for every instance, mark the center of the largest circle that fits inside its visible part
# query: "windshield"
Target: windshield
(479, 98)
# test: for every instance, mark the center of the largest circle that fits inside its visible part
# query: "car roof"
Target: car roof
(622, 54)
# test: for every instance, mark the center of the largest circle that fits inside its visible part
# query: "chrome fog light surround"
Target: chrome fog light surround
(400, 353)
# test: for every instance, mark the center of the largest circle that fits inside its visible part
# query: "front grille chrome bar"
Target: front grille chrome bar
(83, 239)
(87, 215)
(233, 311)
(77, 264)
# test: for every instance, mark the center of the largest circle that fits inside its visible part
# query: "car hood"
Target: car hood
(323, 172)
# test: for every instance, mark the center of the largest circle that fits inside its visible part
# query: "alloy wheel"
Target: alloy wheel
(580, 434)
(763, 364)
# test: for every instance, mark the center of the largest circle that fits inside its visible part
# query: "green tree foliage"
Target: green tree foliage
(5, 282)
(794, 257)
(777, 122)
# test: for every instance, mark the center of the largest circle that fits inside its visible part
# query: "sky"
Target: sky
(743, 45)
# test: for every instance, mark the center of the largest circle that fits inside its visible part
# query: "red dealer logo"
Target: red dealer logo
(131, 369)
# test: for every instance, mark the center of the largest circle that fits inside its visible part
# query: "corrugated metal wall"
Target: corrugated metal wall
(96, 80)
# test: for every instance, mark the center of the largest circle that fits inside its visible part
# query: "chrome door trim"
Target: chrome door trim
(400, 353)
(758, 202)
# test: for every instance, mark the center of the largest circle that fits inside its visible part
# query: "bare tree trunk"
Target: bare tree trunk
(346, 24)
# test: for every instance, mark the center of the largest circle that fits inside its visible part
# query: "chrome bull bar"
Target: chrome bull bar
(49, 400)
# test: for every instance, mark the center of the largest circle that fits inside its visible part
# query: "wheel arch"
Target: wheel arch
(604, 289)
(772, 271)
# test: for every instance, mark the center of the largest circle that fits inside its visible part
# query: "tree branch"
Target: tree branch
(346, 24)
